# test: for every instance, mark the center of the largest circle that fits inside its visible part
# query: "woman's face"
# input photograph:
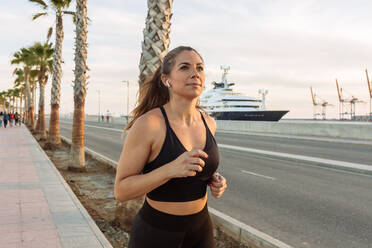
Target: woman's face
(187, 75)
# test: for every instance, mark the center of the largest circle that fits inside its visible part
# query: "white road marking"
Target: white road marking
(301, 157)
(300, 137)
(259, 175)
(106, 128)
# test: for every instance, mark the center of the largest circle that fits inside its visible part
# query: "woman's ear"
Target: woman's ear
(163, 79)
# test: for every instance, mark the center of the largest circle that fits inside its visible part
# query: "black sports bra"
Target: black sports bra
(188, 188)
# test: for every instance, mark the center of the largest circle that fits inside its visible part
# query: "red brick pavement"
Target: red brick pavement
(25, 218)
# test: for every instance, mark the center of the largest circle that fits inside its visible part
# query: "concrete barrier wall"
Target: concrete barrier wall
(345, 130)
(333, 129)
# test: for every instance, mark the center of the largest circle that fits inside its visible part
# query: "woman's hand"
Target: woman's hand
(187, 164)
(218, 185)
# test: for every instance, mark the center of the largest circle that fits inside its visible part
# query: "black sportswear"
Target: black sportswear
(188, 188)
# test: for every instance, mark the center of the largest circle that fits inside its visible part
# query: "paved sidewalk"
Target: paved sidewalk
(37, 207)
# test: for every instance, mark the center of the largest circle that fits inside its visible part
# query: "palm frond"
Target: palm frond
(61, 4)
(69, 12)
(50, 65)
(40, 2)
(38, 15)
(50, 32)
(67, 3)
(16, 58)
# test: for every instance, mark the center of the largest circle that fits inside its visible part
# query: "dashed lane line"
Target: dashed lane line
(259, 175)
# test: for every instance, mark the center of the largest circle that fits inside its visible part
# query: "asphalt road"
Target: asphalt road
(298, 203)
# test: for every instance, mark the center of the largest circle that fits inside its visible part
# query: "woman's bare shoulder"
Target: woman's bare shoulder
(210, 122)
(151, 121)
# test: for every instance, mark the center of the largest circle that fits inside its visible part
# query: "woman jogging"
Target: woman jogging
(170, 155)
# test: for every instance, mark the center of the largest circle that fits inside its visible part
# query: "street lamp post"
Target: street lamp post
(99, 105)
(127, 82)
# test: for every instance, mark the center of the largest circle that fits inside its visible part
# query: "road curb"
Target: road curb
(91, 223)
(244, 233)
(239, 231)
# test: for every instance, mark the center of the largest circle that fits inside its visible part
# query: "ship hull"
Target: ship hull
(274, 115)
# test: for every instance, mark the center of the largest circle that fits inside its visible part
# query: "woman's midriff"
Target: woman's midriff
(179, 208)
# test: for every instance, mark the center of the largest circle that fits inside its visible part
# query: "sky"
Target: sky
(283, 46)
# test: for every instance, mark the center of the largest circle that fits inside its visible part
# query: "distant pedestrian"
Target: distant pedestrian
(11, 119)
(107, 117)
(5, 119)
(17, 118)
(103, 118)
(1, 119)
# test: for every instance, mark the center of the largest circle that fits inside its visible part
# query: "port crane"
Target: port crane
(323, 105)
(370, 96)
(345, 102)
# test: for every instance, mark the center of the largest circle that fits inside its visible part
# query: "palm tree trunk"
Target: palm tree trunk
(154, 48)
(32, 108)
(13, 100)
(40, 126)
(17, 101)
(20, 104)
(77, 146)
(54, 137)
(24, 113)
(28, 96)
(156, 37)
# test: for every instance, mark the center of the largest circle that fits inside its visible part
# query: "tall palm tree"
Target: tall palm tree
(33, 87)
(4, 95)
(2, 100)
(9, 95)
(20, 82)
(156, 37)
(59, 7)
(24, 57)
(80, 83)
(21, 97)
(43, 60)
(16, 95)
(154, 47)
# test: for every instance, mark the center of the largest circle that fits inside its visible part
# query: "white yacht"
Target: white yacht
(223, 103)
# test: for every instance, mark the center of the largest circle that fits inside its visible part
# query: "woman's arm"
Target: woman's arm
(218, 184)
(130, 183)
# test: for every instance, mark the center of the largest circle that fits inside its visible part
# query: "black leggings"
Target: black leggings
(156, 229)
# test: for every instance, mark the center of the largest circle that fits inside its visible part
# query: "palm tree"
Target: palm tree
(20, 82)
(154, 47)
(80, 83)
(33, 86)
(22, 95)
(4, 97)
(156, 37)
(59, 8)
(2, 100)
(16, 95)
(9, 95)
(24, 57)
(43, 60)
